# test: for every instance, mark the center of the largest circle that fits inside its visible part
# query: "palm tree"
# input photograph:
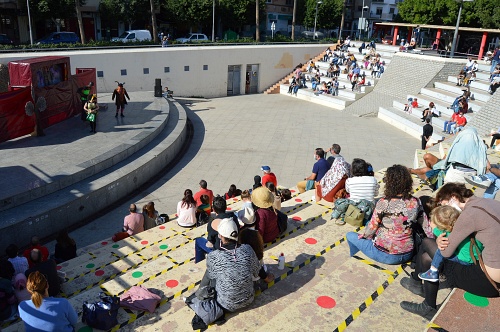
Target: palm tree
(257, 32)
(80, 21)
(153, 21)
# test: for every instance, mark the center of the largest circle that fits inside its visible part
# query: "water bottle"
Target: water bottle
(281, 262)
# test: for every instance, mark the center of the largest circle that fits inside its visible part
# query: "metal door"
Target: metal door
(233, 80)
(252, 79)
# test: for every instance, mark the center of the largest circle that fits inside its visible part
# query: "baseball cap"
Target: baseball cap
(228, 229)
(265, 168)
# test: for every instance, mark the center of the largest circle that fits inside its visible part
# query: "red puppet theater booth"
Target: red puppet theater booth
(49, 77)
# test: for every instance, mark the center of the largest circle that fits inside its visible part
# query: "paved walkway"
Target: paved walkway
(234, 136)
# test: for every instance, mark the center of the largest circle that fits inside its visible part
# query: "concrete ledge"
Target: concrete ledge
(325, 100)
(68, 206)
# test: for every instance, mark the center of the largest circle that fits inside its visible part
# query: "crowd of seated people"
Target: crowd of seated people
(494, 79)
(467, 73)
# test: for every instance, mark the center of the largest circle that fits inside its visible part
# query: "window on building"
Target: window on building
(205, 67)
(145, 71)
(123, 72)
(284, 9)
(379, 10)
(100, 73)
(166, 69)
(186, 68)
(391, 10)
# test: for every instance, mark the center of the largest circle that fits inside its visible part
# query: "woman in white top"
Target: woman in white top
(362, 185)
(186, 210)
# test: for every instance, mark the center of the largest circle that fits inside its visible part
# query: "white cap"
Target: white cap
(228, 229)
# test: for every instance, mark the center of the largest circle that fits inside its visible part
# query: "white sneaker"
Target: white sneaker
(479, 181)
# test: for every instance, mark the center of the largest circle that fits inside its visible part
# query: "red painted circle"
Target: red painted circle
(99, 273)
(228, 208)
(144, 242)
(297, 218)
(292, 191)
(310, 240)
(58, 267)
(162, 227)
(104, 243)
(326, 302)
(171, 283)
(298, 200)
(235, 199)
(176, 215)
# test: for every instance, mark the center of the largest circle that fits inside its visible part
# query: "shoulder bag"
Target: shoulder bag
(102, 314)
(282, 221)
(354, 216)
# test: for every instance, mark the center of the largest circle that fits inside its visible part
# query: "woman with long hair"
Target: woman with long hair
(65, 247)
(92, 108)
(150, 215)
(186, 210)
(44, 313)
(388, 236)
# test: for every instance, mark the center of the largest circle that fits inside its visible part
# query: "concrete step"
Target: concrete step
(481, 95)
(417, 114)
(483, 75)
(408, 124)
(476, 83)
(336, 102)
(449, 97)
(49, 214)
(424, 102)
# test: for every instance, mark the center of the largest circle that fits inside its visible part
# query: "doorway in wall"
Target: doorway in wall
(233, 80)
(252, 79)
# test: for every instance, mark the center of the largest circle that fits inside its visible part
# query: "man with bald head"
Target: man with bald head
(134, 222)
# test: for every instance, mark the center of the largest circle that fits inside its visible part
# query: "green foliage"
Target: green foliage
(479, 13)
(124, 10)
(192, 12)
(52, 9)
(329, 13)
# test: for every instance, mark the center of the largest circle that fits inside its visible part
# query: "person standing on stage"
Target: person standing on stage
(120, 93)
(85, 93)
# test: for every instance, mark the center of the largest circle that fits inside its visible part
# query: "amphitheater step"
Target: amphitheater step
(480, 95)
(449, 97)
(477, 83)
(336, 102)
(407, 123)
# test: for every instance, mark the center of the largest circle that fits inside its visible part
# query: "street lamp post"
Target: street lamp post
(316, 18)
(455, 35)
(362, 23)
(213, 21)
(29, 22)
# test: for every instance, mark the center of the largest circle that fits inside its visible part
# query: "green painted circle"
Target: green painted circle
(163, 246)
(89, 266)
(86, 329)
(137, 274)
(476, 300)
(115, 245)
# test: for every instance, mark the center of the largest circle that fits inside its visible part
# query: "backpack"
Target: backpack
(202, 219)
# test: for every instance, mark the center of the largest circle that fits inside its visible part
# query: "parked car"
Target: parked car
(309, 34)
(59, 38)
(133, 35)
(193, 38)
(4, 40)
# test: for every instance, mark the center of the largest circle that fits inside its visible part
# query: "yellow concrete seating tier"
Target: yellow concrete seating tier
(321, 287)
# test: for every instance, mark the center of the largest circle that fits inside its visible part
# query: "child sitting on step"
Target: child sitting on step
(412, 103)
(443, 219)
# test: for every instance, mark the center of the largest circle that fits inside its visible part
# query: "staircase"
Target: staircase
(443, 94)
(345, 96)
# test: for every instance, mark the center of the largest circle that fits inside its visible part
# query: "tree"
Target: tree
(480, 13)
(54, 10)
(153, 21)
(126, 10)
(329, 13)
(78, 3)
(193, 12)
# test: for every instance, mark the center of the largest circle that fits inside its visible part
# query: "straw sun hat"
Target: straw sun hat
(262, 197)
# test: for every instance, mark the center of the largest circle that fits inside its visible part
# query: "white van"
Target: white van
(133, 35)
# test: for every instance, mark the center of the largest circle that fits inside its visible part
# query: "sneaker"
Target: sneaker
(478, 181)
(429, 275)
(339, 222)
(122, 115)
(421, 309)
(116, 115)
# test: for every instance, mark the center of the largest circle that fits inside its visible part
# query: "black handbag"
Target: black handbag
(282, 221)
(102, 314)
